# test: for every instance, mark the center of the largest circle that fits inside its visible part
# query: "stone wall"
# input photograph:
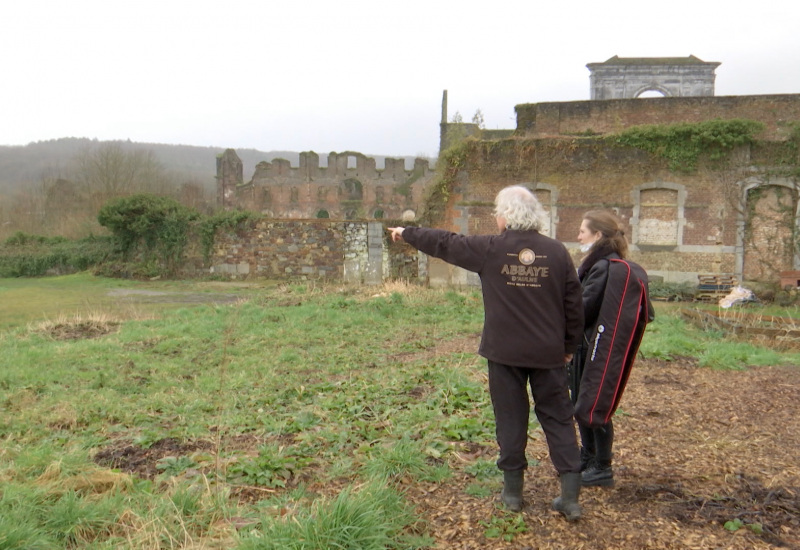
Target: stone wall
(738, 218)
(350, 251)
(679, 224)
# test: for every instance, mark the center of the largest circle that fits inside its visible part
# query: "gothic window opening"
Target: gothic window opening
(354, 190)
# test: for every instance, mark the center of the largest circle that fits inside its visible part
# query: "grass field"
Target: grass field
(82, 295)
(207, 415)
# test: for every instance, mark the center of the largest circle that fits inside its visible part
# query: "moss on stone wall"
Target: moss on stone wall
(706, 162)
(450, 163)
(682, 145)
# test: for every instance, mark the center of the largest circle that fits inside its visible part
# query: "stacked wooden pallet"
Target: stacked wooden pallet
(712, 287)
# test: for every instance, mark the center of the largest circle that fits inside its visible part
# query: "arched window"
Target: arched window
(354, 189)
(323, 214)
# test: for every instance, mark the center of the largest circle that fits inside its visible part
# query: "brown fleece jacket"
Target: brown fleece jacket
(533, 313)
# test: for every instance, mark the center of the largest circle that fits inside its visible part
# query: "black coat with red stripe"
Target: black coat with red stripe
(617, 309)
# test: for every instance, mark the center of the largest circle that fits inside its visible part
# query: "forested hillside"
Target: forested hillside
(25, 165)
(57, 187)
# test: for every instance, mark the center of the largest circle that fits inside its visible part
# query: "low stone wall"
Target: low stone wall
(350, 251)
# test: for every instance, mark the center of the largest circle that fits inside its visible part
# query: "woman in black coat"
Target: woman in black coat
(603, 240)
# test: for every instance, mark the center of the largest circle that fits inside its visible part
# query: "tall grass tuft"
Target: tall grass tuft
(374, 517)
(404, 459)
(669, 337)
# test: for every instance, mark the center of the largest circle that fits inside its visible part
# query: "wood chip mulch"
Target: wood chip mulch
(695, 448)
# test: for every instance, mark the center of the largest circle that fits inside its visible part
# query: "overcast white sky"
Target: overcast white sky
(337, 75)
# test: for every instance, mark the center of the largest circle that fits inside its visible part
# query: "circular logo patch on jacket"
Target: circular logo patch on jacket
(527, 256)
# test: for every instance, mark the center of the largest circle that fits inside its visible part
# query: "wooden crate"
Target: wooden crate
(712, 287)
(790, 279)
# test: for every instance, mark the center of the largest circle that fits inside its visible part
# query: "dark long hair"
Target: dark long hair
(612, 238)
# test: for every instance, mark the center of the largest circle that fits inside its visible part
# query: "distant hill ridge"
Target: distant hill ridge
(22, 165)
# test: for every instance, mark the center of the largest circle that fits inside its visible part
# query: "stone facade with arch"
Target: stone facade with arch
(630, 77)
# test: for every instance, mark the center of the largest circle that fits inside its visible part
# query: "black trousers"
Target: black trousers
(508, 387)
(596, 442)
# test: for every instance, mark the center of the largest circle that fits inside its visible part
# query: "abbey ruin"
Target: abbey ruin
(736, 215)
(349, 187)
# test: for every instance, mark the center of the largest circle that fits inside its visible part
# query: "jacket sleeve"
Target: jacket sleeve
(468, 252)
(594, 286)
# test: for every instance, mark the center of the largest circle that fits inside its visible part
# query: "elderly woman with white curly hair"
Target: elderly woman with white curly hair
(533, 320)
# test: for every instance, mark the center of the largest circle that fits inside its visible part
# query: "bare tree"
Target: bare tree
(477, 119)
(109, 171)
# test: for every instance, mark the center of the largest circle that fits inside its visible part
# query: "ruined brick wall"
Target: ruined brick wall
(349, 187)
(679, 224)
(611, 116)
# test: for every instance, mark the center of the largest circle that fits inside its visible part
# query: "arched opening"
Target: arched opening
(769, 231)
(651, 93)
(378, 215)
(323, 214)
(354, 189)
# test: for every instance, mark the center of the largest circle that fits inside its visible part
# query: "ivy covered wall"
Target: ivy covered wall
(681, 191)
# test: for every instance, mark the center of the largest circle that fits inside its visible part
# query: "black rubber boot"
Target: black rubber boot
(512, 489)
(567, 503)
(587, 446)
(587, 459)
(599, 472)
